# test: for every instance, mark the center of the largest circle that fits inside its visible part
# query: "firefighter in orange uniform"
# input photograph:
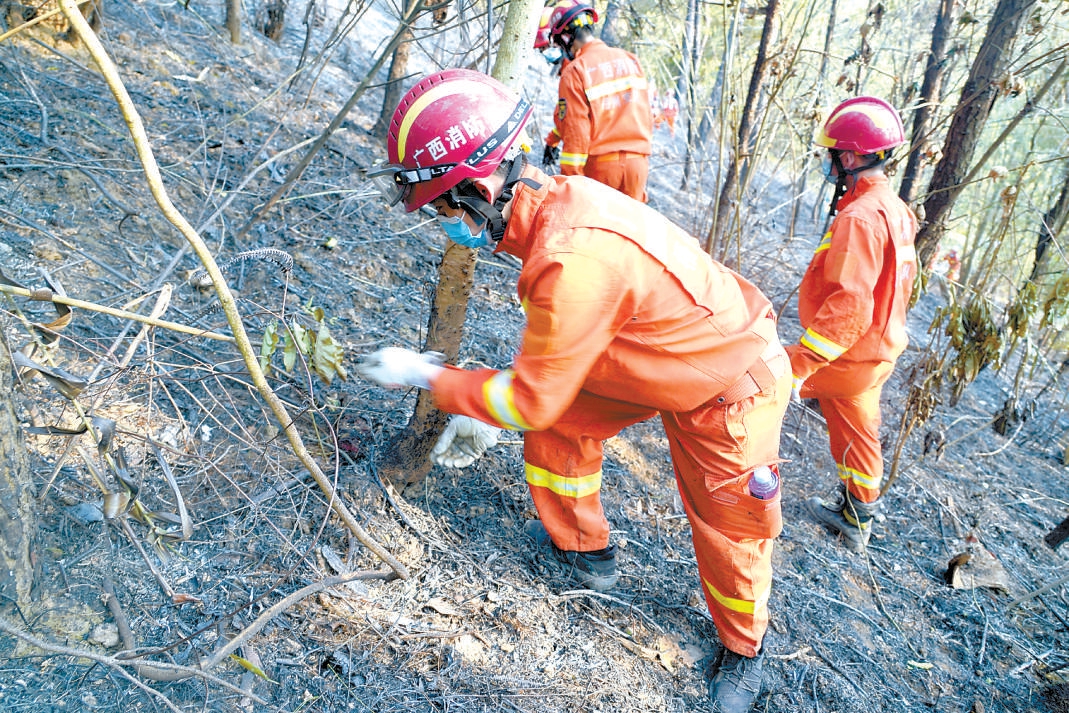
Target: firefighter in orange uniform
(627, 318)
(603, 106)
(557, 61)
(852, 304)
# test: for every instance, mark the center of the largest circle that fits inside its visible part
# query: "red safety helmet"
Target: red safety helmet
(541, 40)
(569, 15)
(866, 125)
(453, 125)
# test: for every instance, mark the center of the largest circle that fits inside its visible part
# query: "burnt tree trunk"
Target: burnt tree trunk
(398, 68)
(930, 89)
(408, 463)
(715, 242)
(977, 97)
(1049, 228)
(697, 143)
(17, 513)
(276, 20)
(611, 22)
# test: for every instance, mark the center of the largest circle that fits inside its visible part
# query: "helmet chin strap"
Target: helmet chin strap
(841, 173)
(468, 197)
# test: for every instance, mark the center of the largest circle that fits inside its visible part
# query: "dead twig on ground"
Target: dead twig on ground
(116, 664)
(222, 289)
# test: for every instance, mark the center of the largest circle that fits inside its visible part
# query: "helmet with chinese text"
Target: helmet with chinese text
(452, 125)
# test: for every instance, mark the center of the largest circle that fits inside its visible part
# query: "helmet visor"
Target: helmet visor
(395, 182)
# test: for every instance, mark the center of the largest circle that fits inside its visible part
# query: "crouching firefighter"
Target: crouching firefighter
(852, 304)
(627, 318)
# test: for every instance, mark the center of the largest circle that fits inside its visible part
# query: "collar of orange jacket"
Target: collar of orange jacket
(525, 203)
(862, 186)
(592, 42)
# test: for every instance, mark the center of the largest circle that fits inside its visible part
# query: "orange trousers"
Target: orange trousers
(626, 172)
(714, 448)
(849, 396)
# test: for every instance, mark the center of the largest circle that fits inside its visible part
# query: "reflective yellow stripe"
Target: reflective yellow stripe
(825, 243)
(861, 480)
(572, 159)
(461, 86)
(859, 524)
(615, 86)
(822, 345)
(740, 605)
(566, 487)
(500, 401)
(906, 253)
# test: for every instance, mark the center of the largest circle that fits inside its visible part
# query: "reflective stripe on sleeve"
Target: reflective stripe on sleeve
(821, 345)
(572, 159)
(568, 487)
(615, 86)
(906, 253)
(500, 401)
(825, 243)
(740, 605)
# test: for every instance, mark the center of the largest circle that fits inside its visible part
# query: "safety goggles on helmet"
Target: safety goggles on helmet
(394, 181)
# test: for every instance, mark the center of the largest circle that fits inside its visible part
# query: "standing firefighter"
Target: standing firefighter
(627, 318)
(603, 106)
(557, 62)
(852, 304)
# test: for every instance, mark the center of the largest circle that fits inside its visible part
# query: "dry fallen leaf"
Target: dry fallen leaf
(443, 607)
(976, 567)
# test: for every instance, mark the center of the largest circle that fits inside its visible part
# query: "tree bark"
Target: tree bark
(233, 20)
(715, 240)
(977, 97)
(407, 463)
(398, 68)
(17, 513)
(697, 143)
(1049, 229)
(611, 22)
(929, 99)
(828, 34)
(276, 19)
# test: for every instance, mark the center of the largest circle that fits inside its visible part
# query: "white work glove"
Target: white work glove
(393, 367)
(463, 441)
(796, 389)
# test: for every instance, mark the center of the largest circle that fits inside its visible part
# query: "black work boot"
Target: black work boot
(737, 682)
(848, 517)
(591, 570)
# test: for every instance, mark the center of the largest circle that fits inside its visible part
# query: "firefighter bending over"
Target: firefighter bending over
(627, 319)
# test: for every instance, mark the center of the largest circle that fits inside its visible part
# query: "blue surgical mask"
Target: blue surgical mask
(458, 231)
(552, 54)
(826, 167)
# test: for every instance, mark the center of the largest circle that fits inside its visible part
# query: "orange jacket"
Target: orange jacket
(603, 106)
(553, 138)
(853, 299)
(621, 303)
